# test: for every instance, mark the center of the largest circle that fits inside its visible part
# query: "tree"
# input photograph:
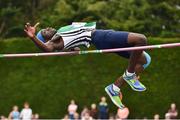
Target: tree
(151, 17)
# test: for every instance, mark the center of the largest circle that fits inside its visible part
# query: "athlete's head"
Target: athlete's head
(46, 34)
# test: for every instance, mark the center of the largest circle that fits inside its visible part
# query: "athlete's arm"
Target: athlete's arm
(46, 47)
(56, 42)
(30, 31)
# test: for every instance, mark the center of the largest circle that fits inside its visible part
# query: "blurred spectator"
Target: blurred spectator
(66, 117)
(145, 118)
(167, 117)
(26, 112)
(103, 109)
(3, 117)
(93, 111)
(76, 116)
(14, 114)
(123, 113)
(84, 111)
(156, 117)
(87, 116)
(72, 108)
(35, 116)
(172, 112)
(111, 117)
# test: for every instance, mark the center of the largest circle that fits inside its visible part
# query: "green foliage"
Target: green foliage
(49, 83)
(15, 13)
(150, 17)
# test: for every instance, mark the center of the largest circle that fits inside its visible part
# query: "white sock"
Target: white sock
(129, 74)
(116, 88)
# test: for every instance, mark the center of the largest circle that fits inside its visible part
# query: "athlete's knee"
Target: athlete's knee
(141, 40)
(137, 39)
(148, 60)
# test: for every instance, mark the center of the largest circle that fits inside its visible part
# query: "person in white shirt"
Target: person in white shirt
(72, 108)
(87, 116)
(26, 112)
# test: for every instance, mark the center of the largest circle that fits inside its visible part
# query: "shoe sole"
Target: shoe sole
(107, 91)
(134, 88)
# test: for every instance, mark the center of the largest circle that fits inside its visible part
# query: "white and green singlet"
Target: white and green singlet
(77, 34)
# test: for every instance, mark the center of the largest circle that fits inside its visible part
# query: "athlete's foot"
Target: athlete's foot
(133, 81)
(115, 96)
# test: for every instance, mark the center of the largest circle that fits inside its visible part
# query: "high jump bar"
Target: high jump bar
(170, 45)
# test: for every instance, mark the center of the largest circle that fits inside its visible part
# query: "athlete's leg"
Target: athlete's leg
(143, 63)
(129, 75)
(139, 68)
(136, 62)
(135, 40)
(113, 90)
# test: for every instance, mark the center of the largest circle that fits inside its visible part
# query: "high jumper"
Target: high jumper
(71, 37)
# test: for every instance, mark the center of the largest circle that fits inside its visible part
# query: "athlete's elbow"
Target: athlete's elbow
(48, 50)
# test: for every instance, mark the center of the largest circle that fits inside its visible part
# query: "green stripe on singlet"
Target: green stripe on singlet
(66, 28)
(70, 28)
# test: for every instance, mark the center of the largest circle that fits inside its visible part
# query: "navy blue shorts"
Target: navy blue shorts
(109, 39)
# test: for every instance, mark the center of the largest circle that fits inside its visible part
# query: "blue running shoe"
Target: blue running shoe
(133, 81)
(115, 96)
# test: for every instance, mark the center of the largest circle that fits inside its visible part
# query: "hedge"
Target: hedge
(49, 83)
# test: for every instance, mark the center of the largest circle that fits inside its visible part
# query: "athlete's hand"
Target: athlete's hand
(30, 30)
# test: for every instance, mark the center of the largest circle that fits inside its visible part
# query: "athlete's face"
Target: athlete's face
(48, 33)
